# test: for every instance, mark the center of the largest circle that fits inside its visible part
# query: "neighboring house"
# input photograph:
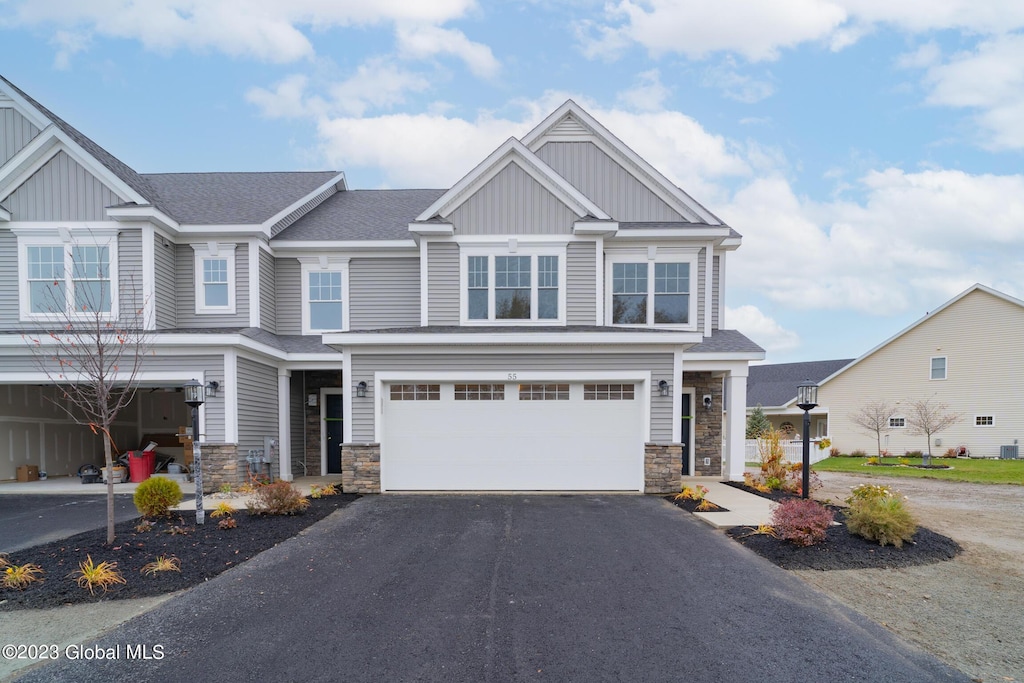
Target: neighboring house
(967, 353)
(773, 387)
(552, 321)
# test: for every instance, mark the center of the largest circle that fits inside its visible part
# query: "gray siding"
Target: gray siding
(288, 275)
(512, 203)
(185, 290)
(701, 288)
(581, 283)
(715, 291)
(384, 293)
(62, 190)
(605, 182)
(443, 283)
(129, 273)
(165, 258)
(15, 132)
(8, 278)
(268, 292)
(659, 364)
(257, 404)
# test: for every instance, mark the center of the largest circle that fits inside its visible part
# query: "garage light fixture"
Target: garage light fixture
(361, 390)
(211, 388)
(663, 387)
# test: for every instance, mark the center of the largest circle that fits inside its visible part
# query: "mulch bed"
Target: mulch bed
(690, 505)
(841, 549)
(204, 551)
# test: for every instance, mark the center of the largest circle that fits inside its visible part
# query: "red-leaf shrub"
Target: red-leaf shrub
(801, 521)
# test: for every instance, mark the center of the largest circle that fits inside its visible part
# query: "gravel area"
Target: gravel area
(967, 611)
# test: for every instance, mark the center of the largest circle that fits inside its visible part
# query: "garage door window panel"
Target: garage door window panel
(415, 392)
(608, 392)
(479, 392)
(543, 392)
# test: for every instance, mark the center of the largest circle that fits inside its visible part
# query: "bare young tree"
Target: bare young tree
(91, 352)
(925, 417)
(873, 417)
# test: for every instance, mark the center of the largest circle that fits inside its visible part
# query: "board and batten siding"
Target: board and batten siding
(268, 292)
(15, 132)
(716, 284)
(581, 283)
(700, 288)
(605, 182)
(982, 338)
(8, 279)
(660, 366)
(442, 283)
(257, 404)
(129, 273)
(512, 203)
(384, 292)
(62, 190)
(185, 289)
(288, 276)
(164, 260)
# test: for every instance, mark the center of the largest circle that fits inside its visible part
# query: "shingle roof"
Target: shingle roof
(775, 385)
(232, 198)
(726, 341)
(362, 215)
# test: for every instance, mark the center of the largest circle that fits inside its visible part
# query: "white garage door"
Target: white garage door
(512, 437)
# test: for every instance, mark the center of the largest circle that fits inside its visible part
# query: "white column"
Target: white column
(736, 388)
(284, 423)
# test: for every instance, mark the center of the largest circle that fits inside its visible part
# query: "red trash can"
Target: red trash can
(141, 465)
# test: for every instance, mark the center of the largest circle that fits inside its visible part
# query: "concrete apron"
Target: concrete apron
(745, 509)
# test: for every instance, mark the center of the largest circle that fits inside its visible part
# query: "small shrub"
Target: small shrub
(178, 530)
(156, 496)
(858, 454)
(227, 523)
(913, 454)
(223, 509)
(4, 562)
(162, 564)
(315, 491)
(773, 483)
(834, 452)
(872, 460)
(695, 493)
(93, 576)
(20, 577)
(225, 489)
(801, 521)
(279, 498)
(880, 514)
(904, 461)
(145, 526)
(765, 530)
(950, 453)
(329, 490)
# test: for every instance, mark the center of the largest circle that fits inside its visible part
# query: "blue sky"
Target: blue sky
(869, 151)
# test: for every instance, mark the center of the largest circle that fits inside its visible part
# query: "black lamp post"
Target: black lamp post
(806, 399)
(195, 396)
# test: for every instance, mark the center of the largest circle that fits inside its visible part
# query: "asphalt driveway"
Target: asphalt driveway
(27, 520)
(505, 588)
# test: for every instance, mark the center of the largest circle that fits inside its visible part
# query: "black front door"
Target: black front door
(684, 433)
(334, 423)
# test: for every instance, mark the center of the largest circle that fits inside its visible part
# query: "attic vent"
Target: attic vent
(1008, 452)
(569, 125)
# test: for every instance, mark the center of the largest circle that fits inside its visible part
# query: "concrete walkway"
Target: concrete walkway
(745, 509)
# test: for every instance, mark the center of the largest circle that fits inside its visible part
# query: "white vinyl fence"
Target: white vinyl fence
(794, 451)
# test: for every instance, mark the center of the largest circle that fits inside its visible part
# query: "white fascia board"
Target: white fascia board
(313, 361)
(232, 230)
(430, 229)
(726, 360)
(5, 215)
(272, 221)
(607, 228)
(513, 150)
(509, 339)
(27, 161)
(673, 233)
(176, 377)
(316, 246)
(144, 212)
(730, 243)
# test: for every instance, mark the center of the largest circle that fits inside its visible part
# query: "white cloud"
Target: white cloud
(648, 94)
(764, 331)
(734, 85)
(287, 100)
(427, 41)
(68, 43)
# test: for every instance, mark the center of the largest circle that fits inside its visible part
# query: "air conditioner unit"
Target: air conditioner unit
(1008, 452)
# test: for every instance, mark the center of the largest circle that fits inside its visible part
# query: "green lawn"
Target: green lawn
(963, 469)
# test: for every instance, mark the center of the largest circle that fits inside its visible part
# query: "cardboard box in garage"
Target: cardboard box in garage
(28, 473)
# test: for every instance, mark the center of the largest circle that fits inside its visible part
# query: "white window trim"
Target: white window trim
(653, 255)
(209, 250)
(988, 426)
(66, 238)
(945, 370)
(513, 247)
(331, 264)
(897, 417)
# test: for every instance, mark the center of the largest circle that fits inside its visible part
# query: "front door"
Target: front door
(684, 434)
(334, 423)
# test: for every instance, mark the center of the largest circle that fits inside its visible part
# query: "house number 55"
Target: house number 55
(512, 376)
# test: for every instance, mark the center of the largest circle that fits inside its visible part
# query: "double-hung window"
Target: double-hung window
(215, 278)
(325, 301)
(938, 367)
(525, 287)
(645, 292)
(63, 277)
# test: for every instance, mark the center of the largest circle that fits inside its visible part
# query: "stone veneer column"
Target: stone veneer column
(663, 466)
(360, 468)
(221, 466)
(707, 435)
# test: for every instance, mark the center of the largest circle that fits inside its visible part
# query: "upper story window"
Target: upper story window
(62, 277)
(897, 422)
(215, 277)
(984, 420)
(652, 292)
(325, 301)
(938, 367)
(525, 287)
